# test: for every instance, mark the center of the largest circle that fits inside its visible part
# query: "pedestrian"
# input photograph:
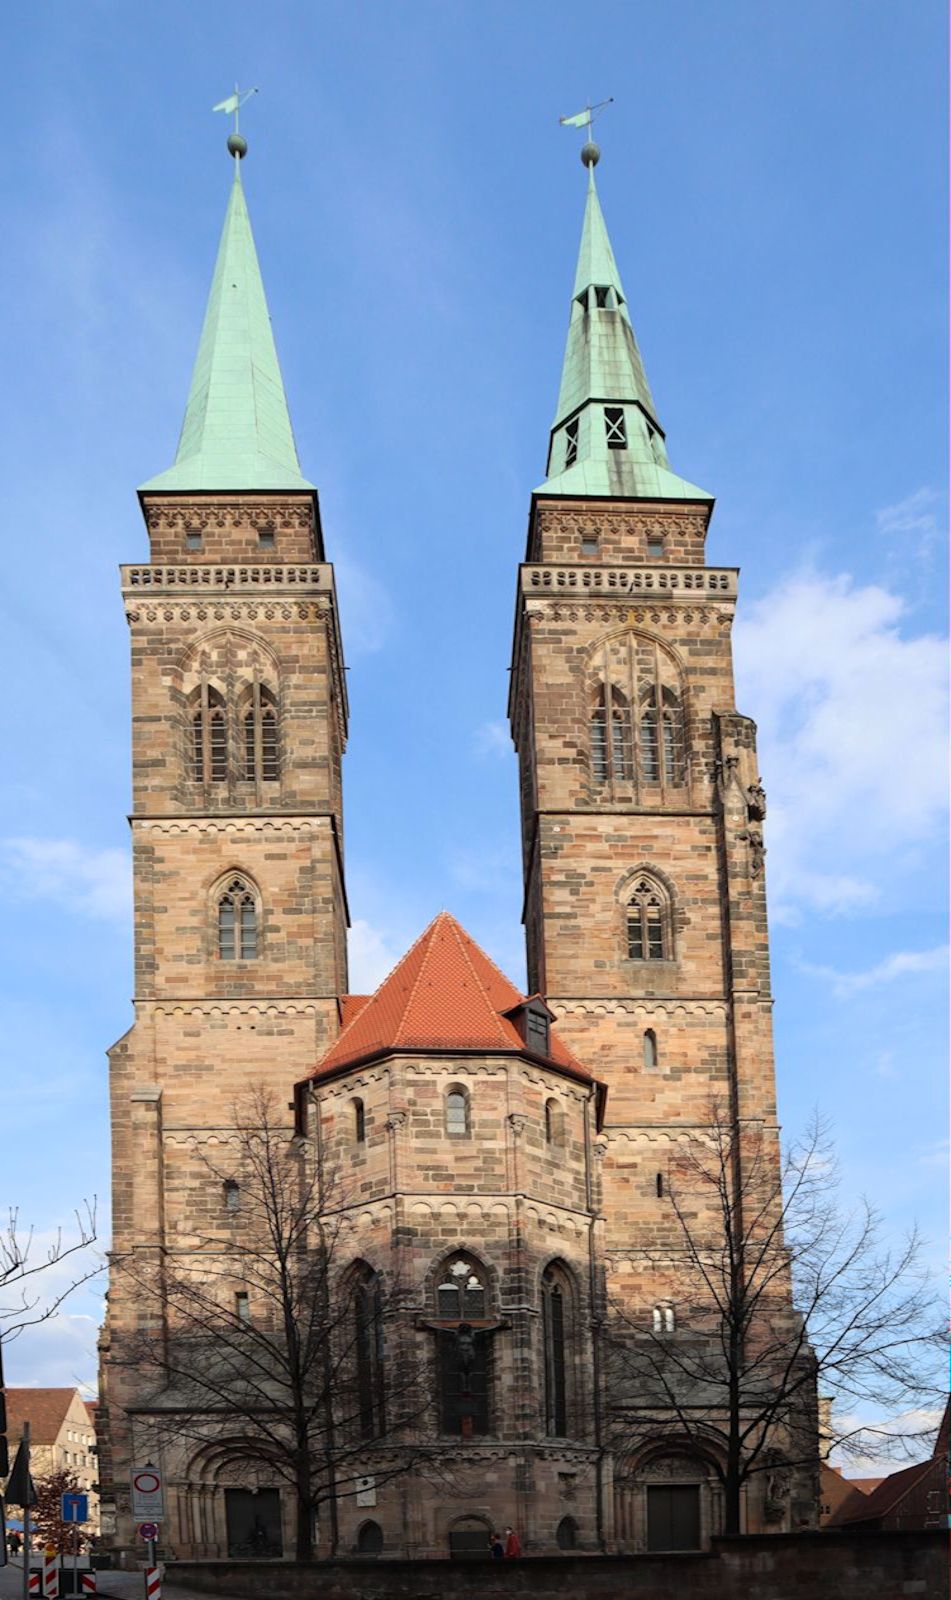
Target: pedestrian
(15, 1542)
(496, 1546)
(513, 1544)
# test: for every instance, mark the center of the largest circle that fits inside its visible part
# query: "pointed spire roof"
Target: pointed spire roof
(237, 431)
(445, 994)
(603, 369)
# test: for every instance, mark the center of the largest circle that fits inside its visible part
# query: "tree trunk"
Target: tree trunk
(731, 1502)
(304, 1540)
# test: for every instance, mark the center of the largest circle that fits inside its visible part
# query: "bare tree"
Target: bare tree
(23, 1302)
(264, 1339)
(780, 1295)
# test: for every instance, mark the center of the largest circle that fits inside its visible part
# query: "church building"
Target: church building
(504, 1158)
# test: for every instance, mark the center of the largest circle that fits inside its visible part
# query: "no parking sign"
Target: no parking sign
(147, 1499)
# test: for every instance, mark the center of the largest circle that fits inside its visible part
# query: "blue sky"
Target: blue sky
(773, 180)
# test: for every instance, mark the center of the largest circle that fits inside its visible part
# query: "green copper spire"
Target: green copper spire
(606, 439)
(237, 431)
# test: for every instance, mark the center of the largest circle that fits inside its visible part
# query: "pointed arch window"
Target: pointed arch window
(556, 1330)
(648, 924)
(261, 753)
(464, 1350)
(661, 736)
(367, 1312)
(237, 922)
(610, 736)
(209, 737)
(636, 718)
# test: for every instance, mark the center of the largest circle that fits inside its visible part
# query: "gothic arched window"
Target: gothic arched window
(463, 1350)
(636, 716)
(457, 1113)
(648, 927)
(261, 754)
(367, 1313)
(369, 1539)
(359, 1122)
(237, 922)
(209, 733)
(610, 737)
(556, 1321)
(566, 1534)
(461, 1292)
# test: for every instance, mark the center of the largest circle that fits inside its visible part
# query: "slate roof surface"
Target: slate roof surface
(445, 994)
(44, 1409)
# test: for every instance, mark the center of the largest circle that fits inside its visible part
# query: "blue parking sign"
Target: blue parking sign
(75, 1508)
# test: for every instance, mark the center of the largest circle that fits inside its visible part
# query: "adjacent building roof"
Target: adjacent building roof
(603, 368)
(883, 1500)
(237, 431)
(445, 994)
(44, 1409)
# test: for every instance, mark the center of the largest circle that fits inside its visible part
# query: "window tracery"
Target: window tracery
(648, 931)
(636, 718)
(237, 922)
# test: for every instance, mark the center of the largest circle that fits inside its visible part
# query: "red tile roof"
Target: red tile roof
(883, 1499)
(44, 1409)
(445, 994)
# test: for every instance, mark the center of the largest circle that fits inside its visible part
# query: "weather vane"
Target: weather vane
(237, 144)
(590, 154)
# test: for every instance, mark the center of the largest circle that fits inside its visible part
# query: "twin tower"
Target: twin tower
(504, 1156)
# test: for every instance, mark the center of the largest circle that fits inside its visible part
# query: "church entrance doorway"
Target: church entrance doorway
(254, 1524)
(673, 1516)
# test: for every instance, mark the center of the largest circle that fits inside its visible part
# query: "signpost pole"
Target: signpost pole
(76, 1558)
(26, 1516)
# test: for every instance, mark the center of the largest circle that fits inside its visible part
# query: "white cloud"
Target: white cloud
(371, 957)
(912, 525)
(852, 719)
(899, 965)
(872, 1455)
(492, 739)
(92, 883)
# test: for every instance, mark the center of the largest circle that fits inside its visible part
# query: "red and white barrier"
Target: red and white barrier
(51, 1575)
(87, 1583)
(36, 1581)
(153, 1583)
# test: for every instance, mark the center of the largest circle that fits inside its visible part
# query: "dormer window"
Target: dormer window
(571, 442)
(615, 427)
(601, 296)
(537, 1030)
(582, 299)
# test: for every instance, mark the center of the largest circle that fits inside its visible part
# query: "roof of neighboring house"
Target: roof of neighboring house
(889, 1493)
(44, 1409)
(445, 994)
(837, 1490)
(91, 1409)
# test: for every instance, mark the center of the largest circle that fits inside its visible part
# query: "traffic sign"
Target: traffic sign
(147, 1498)
(75, 1508)
(148, 1530)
